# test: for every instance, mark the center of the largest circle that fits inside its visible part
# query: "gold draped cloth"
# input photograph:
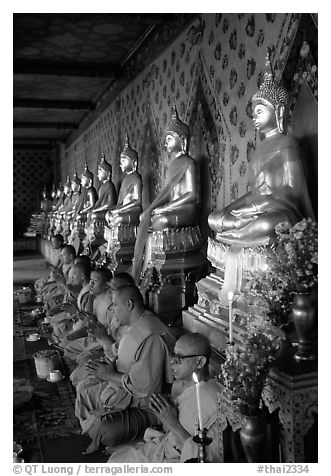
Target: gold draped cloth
(177, 169)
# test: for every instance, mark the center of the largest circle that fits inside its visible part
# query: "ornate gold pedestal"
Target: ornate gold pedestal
(292, 388)
(209, 316)
(94, 236)
(78, 232)
(117, 252)
(174, 267)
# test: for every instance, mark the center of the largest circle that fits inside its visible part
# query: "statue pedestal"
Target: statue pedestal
(78, 232)
(120, 247)
(174, 267)
(292, 388)
(209, 316)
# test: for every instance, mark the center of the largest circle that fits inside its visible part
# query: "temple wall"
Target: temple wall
(32, 170)
(211, 70)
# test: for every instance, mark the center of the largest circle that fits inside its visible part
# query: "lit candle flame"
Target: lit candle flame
(196, 380)
(230, 295)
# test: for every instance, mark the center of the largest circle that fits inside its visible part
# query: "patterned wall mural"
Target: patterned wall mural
(210, 71)
(32, 170)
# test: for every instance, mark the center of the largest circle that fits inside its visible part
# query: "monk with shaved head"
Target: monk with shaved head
(127, 381)
(179, 413)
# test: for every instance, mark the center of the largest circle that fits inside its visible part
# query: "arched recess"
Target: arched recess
(149, 158)
(210, 139)
(300, 78)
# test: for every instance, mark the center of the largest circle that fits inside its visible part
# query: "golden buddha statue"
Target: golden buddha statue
(67, 200)
(278, 190)
(59, 197)
(107, 192)
(129, 203)
(75, 189)
(91, 193)
(176, 204)
(53, 197)
(45, 204)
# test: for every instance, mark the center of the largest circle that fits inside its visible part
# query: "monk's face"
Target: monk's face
(66, 257)
(97, 284)
(182, 365)
(77, 276)
(121, 310)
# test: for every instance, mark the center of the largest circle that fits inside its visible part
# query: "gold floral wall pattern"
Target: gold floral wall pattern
(225, 55)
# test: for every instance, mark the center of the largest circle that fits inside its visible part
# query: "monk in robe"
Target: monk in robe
(57, 243)
(63, 321)
(108, 338)
(81, 340)
(129, 203)
(140, 368)
(179, 413)
(54, 293)
(176, 204)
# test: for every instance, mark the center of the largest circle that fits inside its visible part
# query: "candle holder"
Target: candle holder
(202, 440)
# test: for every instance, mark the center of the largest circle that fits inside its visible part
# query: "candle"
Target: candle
(196, 380)
(230, 299)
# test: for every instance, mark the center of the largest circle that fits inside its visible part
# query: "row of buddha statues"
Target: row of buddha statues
(164, 241)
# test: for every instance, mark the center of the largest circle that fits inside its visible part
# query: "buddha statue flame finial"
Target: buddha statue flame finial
(104, 164)
(176, 125)
(270, 90)
(68, 182)
(128, 151)
(76, 179)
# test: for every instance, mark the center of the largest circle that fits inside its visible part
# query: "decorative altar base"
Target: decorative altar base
(117, 252)
(175, 263)
(209, 316)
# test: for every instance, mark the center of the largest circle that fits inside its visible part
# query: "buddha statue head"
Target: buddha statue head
(67, 186)
(128, 158)
(87, 177)
(104, 169)
(44, 193)
(75, 183)
(177, 134)
(60, 190)
(53, 192)
(270, 104)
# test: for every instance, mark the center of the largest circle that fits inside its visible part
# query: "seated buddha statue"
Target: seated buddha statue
(53, 197)
(107, 192)
(129, 203)
(75, 198)
(67, 194)
(278, 190)
(59, 198)
(176, 204)
(45, 203)
(91, 195)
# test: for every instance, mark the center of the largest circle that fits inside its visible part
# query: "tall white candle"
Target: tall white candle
(195, 378)
(230, 299)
